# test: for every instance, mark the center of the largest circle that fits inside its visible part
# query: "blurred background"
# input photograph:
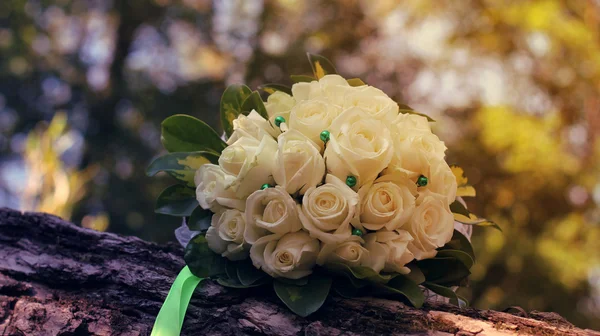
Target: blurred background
(514, 87)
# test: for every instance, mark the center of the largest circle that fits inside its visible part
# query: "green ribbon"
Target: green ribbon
(175, 305)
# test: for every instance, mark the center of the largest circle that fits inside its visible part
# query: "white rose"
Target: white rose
(271, 210)
(349, 252)
(389, 251)
(372, 101)
(328, 209)
(431, 225)
(331, 88)
(212, 189)
(225, 235)
(358, 146)
(388, 202)
(279, 104)
(311, 117)
(251, 162)
(253, 126)
(414, 149)
(406, 121)
(441, 180)
(299, 164)
(292, 255)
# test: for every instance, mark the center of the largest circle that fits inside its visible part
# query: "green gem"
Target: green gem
(325, 136)
(264, 186)
(279, 120)
(357, 232)
(422, 181)
(350, 181)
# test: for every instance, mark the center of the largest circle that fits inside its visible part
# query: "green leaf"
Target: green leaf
(184, 133)
(459, 208)
(355, 82)
(200, 219)
(405, 109)
(415, 275)
(447, 271)
(474, 220)
(247, 274)
(271, 88)
(254, 102)
(460, 242)
(320, 65)
(307, 299)
(201, 260)
(296, 282)
(359, 272)
(404, 286)
(181, 165)
(455, 299)
(302, 78)
(465, 258)
(176, 200)
(344, 288)
(231, 105)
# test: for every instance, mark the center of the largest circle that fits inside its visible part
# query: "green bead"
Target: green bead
(350, 181)
(422, 181)
(357, 232)
(264, 186)
(325, 136)
(279, 120)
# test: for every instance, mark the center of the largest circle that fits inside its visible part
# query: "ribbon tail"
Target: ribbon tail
(170, 318)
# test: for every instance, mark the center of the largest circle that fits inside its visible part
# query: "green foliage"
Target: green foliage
(302, 78)
(461, 243)
(447, 292)
(307, 299)
(359, 273)
(201, 260)
(448, 271)
(184, 133)
(181, 165)
(402, 285)
(176, 200)
(200, 219)
(254, 102)
(272, 88)
(231, 105)
(355, 82)
(320, 65)
(462, 215)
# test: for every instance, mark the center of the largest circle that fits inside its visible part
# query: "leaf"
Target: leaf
(455, 299)
(297, 282)
(320, 65)
(355, 82)
(405, 109)
(415, 275)
(464, 188)
(444, 270)
(184, 133)
(463, 257)
(272, 88)
(302, 78)
(474, 220)
(254, 102)
(231, 105)
(405, 287)
(359, 272)
(247, 274)
(181, 165)
(200, 219)
(201, 260)
(460, 242)
(307, 299)
(176, 200)
(458, 208)
(344, 288)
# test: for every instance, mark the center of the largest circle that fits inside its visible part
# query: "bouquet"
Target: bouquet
(329, 185)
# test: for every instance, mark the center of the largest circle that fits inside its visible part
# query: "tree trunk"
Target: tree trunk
(60, 279)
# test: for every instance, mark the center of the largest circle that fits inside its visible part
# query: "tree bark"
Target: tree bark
(60, 279)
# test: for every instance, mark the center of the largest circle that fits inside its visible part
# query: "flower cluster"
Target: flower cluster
(337, 174)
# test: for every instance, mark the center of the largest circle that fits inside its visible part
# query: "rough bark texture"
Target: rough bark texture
(60, 279)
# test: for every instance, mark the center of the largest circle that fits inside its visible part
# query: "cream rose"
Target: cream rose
(431, 225)
(441, 180)
(212, 189)
(332, 88)
(311, 117)
(415, 149)
(409, 122)
(279, 104)
(358, 146)
(349, 252)
(253, 126)
(299, 165)
(292, 255)
(271, 210)
(387, 203)
(251, 162)
(328, 209)
(372, 101)
(389, 251)
(225, 235)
